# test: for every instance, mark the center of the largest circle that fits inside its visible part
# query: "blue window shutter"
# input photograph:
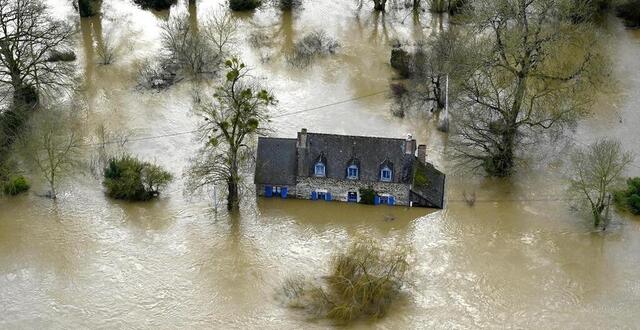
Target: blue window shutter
(327, 197)
(314, 195)
(268, 191)
(284, 192)
(392, 200)
(376, 200)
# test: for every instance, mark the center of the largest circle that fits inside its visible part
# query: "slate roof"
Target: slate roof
(433, 191)
(276, 161)
(370, 153)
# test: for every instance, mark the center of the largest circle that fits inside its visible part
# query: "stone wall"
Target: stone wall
(340, 188)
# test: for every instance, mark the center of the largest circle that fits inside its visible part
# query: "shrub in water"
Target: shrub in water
(155, 4)
(313, 44)
(240, 5)
(289, 4)
(630, 13)
(367, 196)
(131, 179)
(62, 56)
(362, 282)
(630, 198)
(16, 185)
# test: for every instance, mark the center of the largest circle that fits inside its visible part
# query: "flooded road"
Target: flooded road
(519, 258)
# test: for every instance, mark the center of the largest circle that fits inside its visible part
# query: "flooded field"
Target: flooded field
(521, 257)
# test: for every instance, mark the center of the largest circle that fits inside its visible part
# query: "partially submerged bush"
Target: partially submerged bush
(16, 185)
(131, 179)
(446, 6)
(155, 4)
(61, 56)
(89, 8)
(240, 5)
(367, 196)
(362, 282)
(629, 198)
(401, 60)
(630, 13)
(289, 4)
(316, 43)
(156, 75)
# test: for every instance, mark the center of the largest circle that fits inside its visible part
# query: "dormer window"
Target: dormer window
(319, 170)
(386, 174)
(352, 172)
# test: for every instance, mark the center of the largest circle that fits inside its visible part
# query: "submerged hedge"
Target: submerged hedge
(240, 5)
(131, 179)
(155, 4)
(16, 185)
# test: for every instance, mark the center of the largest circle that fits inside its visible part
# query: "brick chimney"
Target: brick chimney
(422, 153)
(410, 145)
(301, 151)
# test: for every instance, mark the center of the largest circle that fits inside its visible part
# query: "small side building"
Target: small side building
(348, 168)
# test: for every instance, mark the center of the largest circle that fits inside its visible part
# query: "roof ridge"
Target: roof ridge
(360, 136)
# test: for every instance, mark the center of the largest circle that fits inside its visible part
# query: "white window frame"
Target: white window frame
(350, 177)
(382, 178)
(324, 170)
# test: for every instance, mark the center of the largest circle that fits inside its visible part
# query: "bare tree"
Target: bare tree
(596, 170)
(28, 36)
(437, 59)
(525, 83)
(237, 113)
(187, 47)
(221, 30)
(52, 146)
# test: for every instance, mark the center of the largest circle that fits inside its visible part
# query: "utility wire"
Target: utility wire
(328, 105)
(153, 137)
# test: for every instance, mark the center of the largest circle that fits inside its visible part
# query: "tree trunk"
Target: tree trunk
(232, 197)
(89, 8)
(501, 163)
(379, 5)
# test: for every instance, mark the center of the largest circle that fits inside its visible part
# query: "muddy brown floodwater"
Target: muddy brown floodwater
(519, 258)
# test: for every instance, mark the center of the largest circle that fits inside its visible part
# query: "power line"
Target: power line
(328, 105)
(153, 137)
(143, 138)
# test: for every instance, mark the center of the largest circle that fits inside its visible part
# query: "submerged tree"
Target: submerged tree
(198, 50)
(596, 170)
(52, 146)
(88, 8)
(237, 113)
(30, 40)
(28, 36)
(534, 75)
(379, 5)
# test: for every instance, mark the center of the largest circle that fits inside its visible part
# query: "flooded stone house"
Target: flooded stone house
(334, 167)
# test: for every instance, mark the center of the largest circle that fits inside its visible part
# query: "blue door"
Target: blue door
(392, 200)
(314, 196)
(376, 200)
(283, 192)
(268, 191)
(327, 197)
